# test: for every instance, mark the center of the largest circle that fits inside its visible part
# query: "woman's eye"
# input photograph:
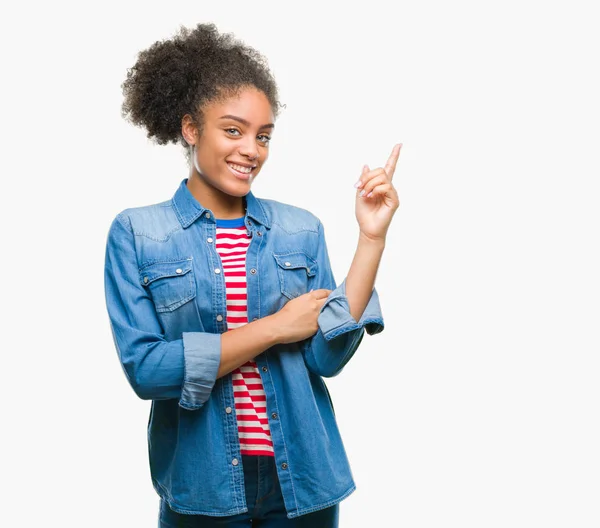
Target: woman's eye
(264, 138)
(232, 131)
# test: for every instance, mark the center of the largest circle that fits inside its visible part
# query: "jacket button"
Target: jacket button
(228, 410)
(219, 317)
(145, 280)
(274, 416)
(288, 264)
(235, 462)
(209, 240)
(217, 270)
(284, 466)
(264, 369)
(259, 233)
(207, 215)
(178, 271)
(253, 271)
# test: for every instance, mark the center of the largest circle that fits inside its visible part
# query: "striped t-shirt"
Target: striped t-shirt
(249, 395)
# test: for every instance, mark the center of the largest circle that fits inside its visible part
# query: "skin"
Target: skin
(375, 204)
(244, 139)
(228, 140)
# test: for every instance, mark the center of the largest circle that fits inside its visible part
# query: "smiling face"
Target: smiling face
(233, 146)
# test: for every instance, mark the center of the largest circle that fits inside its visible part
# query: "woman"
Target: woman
(224, 309)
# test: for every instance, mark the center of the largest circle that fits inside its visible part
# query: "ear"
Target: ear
(189, 130)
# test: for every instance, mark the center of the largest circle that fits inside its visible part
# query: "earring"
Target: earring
(193, 156)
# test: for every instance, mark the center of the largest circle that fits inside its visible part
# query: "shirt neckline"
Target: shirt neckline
(230, 222)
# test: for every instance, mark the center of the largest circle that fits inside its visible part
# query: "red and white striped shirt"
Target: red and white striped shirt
(249, 395)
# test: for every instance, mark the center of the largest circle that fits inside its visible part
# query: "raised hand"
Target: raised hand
(376, 198)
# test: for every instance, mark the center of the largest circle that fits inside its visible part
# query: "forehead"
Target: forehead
(249, 104)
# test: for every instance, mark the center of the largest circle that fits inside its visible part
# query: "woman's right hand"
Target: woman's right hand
(297, 320)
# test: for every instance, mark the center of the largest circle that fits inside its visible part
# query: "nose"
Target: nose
(249, 149)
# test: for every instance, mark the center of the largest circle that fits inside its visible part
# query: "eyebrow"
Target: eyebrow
(244, 122)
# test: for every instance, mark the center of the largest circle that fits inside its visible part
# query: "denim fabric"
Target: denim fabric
(165, 295)
(265, 505)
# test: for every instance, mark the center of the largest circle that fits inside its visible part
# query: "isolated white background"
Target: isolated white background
(478, 405)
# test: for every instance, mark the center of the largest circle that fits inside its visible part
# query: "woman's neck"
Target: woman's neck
(222, 205)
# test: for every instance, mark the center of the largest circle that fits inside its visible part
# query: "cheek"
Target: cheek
(212, 152)
(223, 148)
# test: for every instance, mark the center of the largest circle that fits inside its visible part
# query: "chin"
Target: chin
(239, 190)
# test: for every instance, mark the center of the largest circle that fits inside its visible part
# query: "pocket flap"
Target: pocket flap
(160, 269)
(296, 260)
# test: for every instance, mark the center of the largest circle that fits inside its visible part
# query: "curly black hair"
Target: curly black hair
(179, 76)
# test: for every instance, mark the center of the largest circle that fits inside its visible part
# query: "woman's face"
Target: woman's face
(234, 144)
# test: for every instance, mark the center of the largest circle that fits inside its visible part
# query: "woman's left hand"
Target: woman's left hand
(376, 198)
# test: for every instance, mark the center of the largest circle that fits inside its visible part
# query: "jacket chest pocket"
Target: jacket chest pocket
(295, 269)
(170, 283)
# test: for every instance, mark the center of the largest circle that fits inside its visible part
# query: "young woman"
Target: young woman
(224, 309)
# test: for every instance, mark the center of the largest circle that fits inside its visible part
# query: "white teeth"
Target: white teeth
(239, 168)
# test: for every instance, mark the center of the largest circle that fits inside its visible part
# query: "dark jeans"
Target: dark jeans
(265, 505)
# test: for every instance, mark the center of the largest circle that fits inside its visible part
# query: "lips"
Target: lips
(241, 167)
(243, 172)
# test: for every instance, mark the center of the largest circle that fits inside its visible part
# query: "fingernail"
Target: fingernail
(357, 184)
(370, 194)
(361, 192)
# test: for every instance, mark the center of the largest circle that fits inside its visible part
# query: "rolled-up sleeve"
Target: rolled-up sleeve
(335, 318)
(202, 357)
(156, 368)
(339, 334)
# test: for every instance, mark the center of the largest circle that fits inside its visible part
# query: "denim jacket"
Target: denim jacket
(165, 295)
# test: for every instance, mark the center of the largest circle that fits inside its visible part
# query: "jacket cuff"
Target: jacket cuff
(202, 357)
(335, 318)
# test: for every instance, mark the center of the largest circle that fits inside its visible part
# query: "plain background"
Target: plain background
(478, 404)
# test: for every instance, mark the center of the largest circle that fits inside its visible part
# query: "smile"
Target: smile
(240, 171)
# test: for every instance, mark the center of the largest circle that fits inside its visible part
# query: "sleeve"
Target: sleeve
(339, 334)
(157, 369)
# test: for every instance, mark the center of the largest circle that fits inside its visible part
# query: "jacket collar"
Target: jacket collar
(188, 209)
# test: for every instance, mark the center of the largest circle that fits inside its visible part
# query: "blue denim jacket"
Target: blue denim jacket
(166, 302)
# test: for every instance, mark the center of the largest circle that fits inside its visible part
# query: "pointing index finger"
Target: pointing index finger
(390, 166)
